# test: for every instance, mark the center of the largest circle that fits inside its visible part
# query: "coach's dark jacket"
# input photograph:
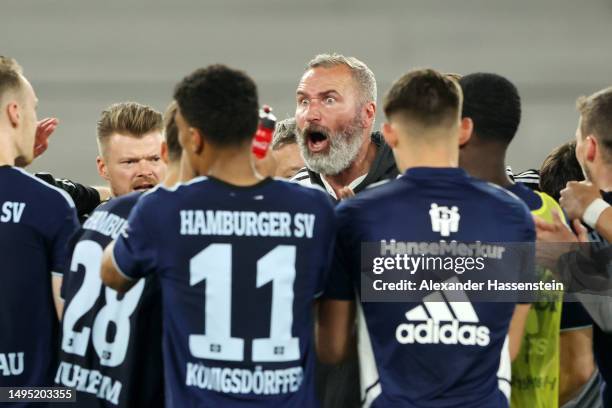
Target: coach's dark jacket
(383, 167)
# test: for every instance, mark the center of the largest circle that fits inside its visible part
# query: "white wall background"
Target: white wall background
(83, 55)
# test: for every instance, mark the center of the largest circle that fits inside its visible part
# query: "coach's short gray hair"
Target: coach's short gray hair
(360, 71)
(284, 133)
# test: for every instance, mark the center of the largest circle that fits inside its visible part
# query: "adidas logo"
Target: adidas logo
(457, 324)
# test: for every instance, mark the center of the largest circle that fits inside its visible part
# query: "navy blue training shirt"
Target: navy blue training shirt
(111, 343)
(434, 352)
(240, 268)
(36, 223)
(602, 341)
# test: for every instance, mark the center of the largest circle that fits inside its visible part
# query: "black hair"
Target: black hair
(559, 167)
(494, 105)
(221, 103)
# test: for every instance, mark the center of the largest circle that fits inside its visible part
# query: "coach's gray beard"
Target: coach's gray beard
(343, 149)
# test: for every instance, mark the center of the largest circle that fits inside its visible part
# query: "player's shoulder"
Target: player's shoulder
(163, 193)
(373, 198)
(281, 188)
(309, 196)
(531, 197)
(46, 195)
(499, 196)
(162, 200)
(506, 208)
(121, 204)
(301, 187)
(381, 190)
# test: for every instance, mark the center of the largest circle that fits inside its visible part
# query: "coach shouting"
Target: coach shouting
(335, 111)
(334, 114)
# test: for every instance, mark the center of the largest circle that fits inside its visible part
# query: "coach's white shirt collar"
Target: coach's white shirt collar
(352, 185)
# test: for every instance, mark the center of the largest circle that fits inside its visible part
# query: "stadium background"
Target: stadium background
(84, 55)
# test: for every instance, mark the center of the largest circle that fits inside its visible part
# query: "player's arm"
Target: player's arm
(576, 364)
(604, 224)
(582, 271)
(62, 230)
(133, 254)
(599, 308)
(85, 198)
(335, 322)
(335, 329)
(56, 288)
(110, 274)
(517, 328)
(582, 200)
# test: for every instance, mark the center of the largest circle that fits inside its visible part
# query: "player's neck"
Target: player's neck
(360, 166)
(603, 178)
(488, 169)
(233, 166)
(8, 151)
(426, 155)
(486, 161)
(173, 174)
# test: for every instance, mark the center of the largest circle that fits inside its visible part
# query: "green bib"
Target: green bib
(535, 371)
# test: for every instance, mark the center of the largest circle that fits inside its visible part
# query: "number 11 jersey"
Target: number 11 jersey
(240, 268)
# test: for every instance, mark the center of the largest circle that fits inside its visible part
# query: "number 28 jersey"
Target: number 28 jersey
(111, 343)
(240, 268)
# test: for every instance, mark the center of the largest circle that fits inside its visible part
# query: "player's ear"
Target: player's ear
(12, 111)
(164, 152)
(197, 141)
(592, 147)
(102, 170)
(466, 127)
(389, 134)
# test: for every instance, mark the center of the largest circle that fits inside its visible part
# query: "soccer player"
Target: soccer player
(36, 221)
(492, 109)
(240, 259)
(129, 142)
(285, 150)
(576, 199)
(111, 343)
(578, 376)
(593, 151)
(432, 201)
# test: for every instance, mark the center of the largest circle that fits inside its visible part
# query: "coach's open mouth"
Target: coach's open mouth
(143, 187)
(317, 141)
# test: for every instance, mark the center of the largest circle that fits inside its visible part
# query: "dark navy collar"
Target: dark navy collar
(428, 172)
